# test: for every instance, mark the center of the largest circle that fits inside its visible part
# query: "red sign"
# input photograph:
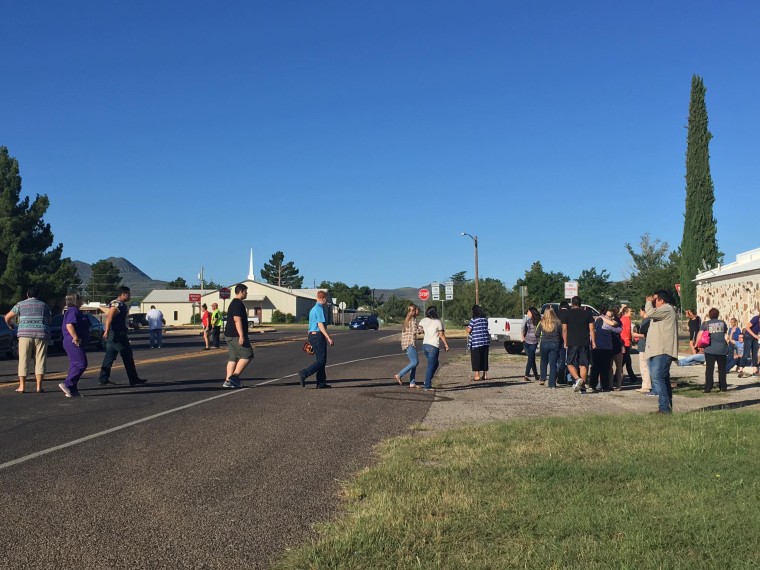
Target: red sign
(194, 297)
(424, 294)
(224, 293)
(678, 289)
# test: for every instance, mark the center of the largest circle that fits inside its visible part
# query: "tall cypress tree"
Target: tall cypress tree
(699, 229)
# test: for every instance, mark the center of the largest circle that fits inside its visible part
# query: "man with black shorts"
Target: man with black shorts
(239, 348)
(578, 333)
(562, 310)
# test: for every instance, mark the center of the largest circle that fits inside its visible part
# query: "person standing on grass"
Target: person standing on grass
(319, 339)
(432, 328)
(641, 337)
(549, 331)
(117, 341)
(76, 331)
(480, 340)
(716, 351)
(751, 337)
(156, 324)
(408, 335)
(579, 339)
(239, 349)
(530, 342)
(33, 336)
(695, 322)
(662, 346)
(206, 324)
(216, 324)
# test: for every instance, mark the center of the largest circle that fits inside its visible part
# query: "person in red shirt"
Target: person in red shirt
(625, 335)
(206, 322)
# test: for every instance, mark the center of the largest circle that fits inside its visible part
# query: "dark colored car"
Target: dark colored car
(8, 340)
(137, 321)
(364, 322)
(96, 333)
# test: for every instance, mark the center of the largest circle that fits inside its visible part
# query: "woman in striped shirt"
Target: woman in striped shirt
(479, 342)
(407, 345)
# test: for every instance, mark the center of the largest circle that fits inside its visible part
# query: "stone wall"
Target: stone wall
(738, 297)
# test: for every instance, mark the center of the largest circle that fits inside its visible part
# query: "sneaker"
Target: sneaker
(578, 385)
(323, 386)
(429, 389)
(231, 382)
(65, 389)
(302, 378)
(413, 384)
(650, 394)
(138, 382)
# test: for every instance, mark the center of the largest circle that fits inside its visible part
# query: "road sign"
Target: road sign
(436, 287)
(678, 289)
(449, 285)
(194, 297)
(224, 293)
(571, 289)
(423, 294)
(342, 305)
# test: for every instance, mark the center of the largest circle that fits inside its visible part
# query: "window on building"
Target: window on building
(176, 315)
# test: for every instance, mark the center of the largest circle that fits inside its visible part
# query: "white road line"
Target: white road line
(164, 413)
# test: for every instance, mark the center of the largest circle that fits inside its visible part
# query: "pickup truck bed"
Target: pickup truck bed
(508, 331)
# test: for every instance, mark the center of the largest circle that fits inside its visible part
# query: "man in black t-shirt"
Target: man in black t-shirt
(239, 348)
(695, 323)
(579, 336)
(562, 310)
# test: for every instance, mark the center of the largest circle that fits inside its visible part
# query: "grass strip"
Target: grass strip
(577, 492)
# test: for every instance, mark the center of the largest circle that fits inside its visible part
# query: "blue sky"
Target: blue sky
(361, 138)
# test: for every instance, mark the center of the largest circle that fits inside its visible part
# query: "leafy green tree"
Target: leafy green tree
(104, 283)
(699, 244)
(543, 287)
(353, 296)
(654, 267)
(495, 298)
(459, 278)
(26, 256)
(277, 272)
(178, 283)
(595, 287)
(393, 309)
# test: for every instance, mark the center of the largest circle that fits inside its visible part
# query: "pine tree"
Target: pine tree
(104, 283)
(26, 256)
(281, 274)
(699, 243)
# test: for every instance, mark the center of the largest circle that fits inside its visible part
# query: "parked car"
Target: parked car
(96, 333)
(365, 322)
(137, 321)
(8, 340)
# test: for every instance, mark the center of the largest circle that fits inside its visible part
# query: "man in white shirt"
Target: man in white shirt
(156, 322)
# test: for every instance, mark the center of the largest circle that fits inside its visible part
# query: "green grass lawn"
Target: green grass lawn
(583, 492)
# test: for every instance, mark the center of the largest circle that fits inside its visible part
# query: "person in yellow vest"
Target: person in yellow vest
(216, 324)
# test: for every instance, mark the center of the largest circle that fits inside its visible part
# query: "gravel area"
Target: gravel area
(506, 395)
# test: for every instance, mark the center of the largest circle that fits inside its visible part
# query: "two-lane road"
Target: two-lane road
(183, 473)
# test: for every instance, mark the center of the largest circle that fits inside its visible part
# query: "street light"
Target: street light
(475, 241)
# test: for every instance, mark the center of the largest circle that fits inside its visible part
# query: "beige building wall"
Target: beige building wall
(735, 297)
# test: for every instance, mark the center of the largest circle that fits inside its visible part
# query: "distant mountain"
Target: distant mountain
(131, 276)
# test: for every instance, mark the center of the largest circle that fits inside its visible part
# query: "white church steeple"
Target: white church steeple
(251, 276)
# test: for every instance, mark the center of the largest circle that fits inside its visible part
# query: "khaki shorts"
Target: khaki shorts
(237, 352)
(29, 348)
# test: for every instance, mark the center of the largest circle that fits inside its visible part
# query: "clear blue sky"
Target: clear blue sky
(361, 138)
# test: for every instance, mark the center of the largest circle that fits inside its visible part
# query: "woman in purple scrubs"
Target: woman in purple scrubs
(76, 332)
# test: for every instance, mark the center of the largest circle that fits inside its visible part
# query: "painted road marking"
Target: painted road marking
(164, 413)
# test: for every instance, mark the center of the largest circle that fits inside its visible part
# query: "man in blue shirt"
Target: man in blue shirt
(319, 339)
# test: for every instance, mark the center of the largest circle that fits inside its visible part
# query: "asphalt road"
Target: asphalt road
(182, 473)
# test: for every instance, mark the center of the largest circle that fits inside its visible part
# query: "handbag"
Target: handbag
(307, 348)
(703, 340)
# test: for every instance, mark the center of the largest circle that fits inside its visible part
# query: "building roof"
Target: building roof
(747, 262)
(181, 295)
(171, 295)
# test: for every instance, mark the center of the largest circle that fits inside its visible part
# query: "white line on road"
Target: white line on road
(164, 413)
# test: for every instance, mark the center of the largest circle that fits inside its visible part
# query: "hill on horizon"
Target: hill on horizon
(131, 276)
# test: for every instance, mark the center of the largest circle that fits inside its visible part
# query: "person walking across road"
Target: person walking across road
(206, 324)
(408, 335)
(662, 346)
(319, 339)
(216, 324)
(580, 338)
(432, 328)
(156, 324)
(239, 349)
(479, 343)
(117, 340)
(33, 336)
(76, 331)
(716, 352)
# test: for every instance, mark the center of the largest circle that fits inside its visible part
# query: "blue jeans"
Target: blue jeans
(155, 338)
(411, 352)
(659, 370)
(431, 353)
(530, 350)
(549, 356)
(691, 360)
(319, 344)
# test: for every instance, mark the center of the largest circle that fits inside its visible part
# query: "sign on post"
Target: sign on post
(449, 285)
(194, 297)
(224, 293)
(436, 287)
(423, 294)
(571, 289)
(678, 289)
